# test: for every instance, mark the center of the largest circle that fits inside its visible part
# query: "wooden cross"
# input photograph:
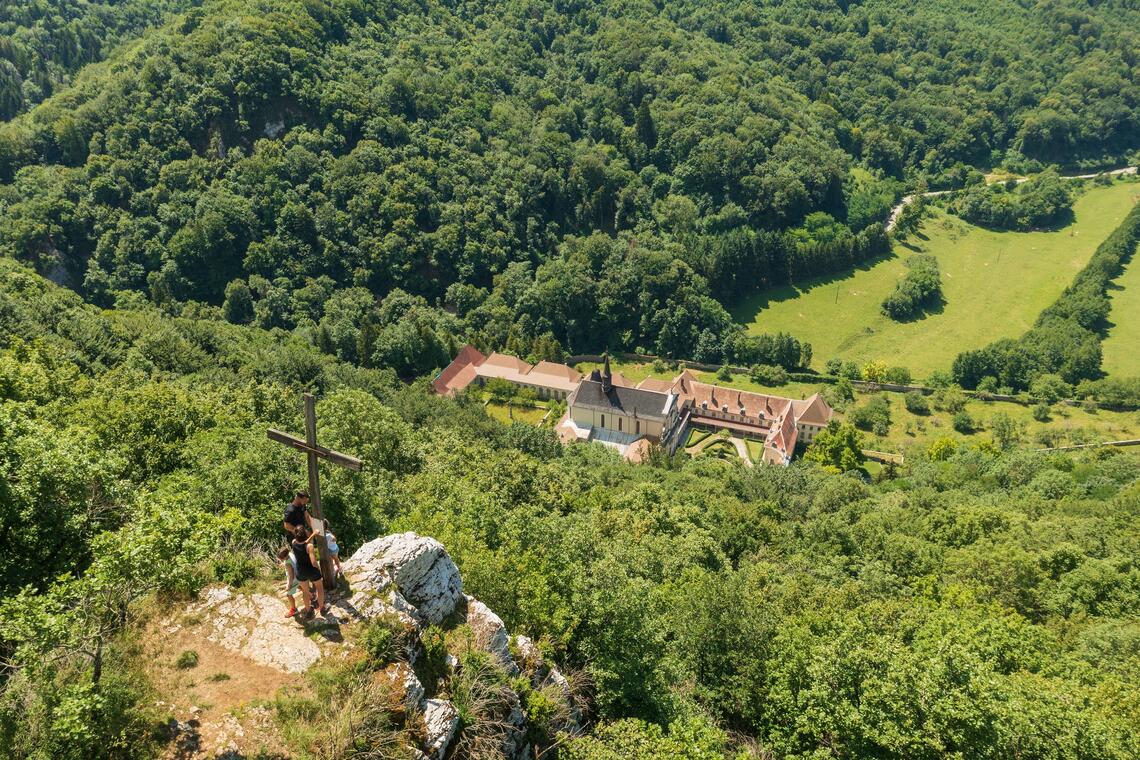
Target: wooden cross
(314, 453)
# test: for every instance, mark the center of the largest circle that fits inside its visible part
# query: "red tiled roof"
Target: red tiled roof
(552, 375)
(621, 381)
(446, 381)
(813, 411)
(505, 366)
(465, 377)
(653, 384)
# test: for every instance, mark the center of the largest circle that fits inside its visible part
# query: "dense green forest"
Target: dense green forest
(981, 604)
(572, 176)
(42, 43)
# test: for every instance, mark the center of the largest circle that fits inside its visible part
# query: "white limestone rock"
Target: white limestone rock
(441, 720)
(514, 741)
(418, 567)
(401, 676)
(490, 633)
(543, 674)
(255, 626)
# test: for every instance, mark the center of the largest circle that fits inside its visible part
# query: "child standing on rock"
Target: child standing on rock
(285, 558)
(333, 550)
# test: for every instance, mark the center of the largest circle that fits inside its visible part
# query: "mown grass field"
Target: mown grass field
(994, 283)
(1069, 425)
(1122, 346)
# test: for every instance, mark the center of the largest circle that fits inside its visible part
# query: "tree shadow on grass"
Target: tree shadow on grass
(932, 307)
(1062, 220)
(746, 309)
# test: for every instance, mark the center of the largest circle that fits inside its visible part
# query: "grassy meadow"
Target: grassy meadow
(994, 285)
(1122, 346)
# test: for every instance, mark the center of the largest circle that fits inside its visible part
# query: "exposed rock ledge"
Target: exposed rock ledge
(414, 578)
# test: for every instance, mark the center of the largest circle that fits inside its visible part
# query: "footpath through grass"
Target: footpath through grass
(1122, 345)
(994, 283)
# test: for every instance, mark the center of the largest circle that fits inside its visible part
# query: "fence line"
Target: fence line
(1129, 442)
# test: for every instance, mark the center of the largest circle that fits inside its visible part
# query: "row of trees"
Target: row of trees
(1066, 338)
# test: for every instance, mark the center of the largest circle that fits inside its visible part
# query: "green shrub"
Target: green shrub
(1050, 388)
(188, 659)
(898, 375)
(768, 374)
(1041, 412)
(875, 415)
(431, 663)
(235, 568)
(963, 422)
(383, 639)
(916, 403)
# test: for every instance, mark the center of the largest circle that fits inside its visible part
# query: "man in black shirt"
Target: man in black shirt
(297, 513)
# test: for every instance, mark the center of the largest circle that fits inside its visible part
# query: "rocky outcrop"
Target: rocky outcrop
(413, 579)
(401, 678)
(254, 626)
(490, 633)
(440, 720)
(410, 573)
(544, 675)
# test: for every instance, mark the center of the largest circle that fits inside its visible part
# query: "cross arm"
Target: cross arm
(344, 460)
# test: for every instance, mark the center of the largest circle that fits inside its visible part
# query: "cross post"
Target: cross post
(313, 454)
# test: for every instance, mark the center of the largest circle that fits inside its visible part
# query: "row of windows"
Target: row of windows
(636, 425)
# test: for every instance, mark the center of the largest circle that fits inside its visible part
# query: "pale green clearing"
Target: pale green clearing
(1122, 346)
(994, 285)
(529, 414)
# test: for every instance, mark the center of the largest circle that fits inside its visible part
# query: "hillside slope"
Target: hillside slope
(486, 156)
(1012, 276)
(712, 608)
(43, 44)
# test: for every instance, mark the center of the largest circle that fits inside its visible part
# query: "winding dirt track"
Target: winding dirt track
(909, 199)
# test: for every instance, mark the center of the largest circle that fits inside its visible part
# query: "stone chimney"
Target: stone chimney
(607, 376)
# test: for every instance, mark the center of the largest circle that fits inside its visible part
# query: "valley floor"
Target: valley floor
(995, 284)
